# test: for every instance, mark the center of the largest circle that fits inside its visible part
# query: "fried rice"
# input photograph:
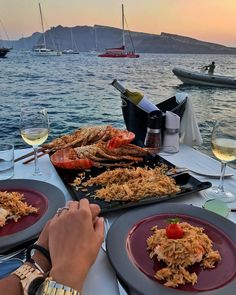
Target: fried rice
(13, 206)
(178, 254)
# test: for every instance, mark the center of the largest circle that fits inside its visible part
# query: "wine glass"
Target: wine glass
(34, 129)
(223, 144)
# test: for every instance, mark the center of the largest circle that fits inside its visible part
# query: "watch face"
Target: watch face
(34, 285)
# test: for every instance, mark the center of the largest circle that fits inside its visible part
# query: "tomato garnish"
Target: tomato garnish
(174, 230)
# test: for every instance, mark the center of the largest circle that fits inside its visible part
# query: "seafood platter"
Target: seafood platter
(100, 163)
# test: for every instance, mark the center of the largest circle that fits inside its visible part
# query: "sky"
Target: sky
(207, 20)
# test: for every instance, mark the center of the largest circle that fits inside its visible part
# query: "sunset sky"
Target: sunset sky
(207, 20)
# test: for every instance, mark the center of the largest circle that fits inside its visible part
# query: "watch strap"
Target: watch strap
(51, 287)
(27, 274)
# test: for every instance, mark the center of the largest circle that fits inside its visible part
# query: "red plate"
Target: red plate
(34, 198)
(208, 279)
(45, 196)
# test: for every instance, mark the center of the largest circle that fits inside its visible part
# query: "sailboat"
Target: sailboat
(42, 49)
(3, 50)
(74, 49)
(120, 51)
(95, 50)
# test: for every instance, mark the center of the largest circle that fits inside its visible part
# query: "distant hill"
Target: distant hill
(84, 36)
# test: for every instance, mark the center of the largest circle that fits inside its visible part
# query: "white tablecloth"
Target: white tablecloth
(101, 278)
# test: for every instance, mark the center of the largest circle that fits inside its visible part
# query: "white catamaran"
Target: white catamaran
(41, 49)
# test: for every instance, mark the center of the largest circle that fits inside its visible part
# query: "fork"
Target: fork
(21, 252)
(181, 170)
(107, 225)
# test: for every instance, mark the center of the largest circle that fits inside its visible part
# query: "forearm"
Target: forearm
(11, 285)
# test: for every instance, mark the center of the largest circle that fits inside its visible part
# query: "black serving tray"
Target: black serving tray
(187, 183)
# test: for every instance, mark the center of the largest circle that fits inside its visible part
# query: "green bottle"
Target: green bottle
(136, 98)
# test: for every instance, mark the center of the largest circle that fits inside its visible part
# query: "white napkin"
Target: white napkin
(189, 130)
(181, 96)
(172, 120)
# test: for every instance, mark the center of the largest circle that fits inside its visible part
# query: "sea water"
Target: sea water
(76, 89)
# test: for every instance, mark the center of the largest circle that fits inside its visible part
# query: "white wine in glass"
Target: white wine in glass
(34, 129)
(34, 136)
(223, 144)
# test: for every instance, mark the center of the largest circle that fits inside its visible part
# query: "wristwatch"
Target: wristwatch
(31, 278)
(51, 287)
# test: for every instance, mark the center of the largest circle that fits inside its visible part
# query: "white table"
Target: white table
(101, 278)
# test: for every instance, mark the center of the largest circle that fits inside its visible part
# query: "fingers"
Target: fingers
(93, 210)
(47, 225)
(84, 211)
(84, 203)
(73, 205)
(43, 237)
(99, 228)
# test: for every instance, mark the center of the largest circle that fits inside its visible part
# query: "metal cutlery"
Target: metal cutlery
(14, 254)
(181, 170)
(121, 289)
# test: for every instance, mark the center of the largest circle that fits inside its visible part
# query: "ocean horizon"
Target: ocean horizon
(76, 89)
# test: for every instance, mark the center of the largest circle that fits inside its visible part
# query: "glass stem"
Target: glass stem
(222, 173)
(36, 166)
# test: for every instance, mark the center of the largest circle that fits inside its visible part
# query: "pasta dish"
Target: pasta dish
(130, 184)
(178, 254)
(13, 206)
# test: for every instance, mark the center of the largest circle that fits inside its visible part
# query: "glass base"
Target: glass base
(168, 151)
(215, 193)
(217, 206)
(43, 175)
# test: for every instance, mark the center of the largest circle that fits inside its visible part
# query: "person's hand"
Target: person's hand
(95, 211)
(75, 237)
(43, 240)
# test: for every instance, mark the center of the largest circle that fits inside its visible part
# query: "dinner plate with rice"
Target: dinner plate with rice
(25, 207)
(150, 262)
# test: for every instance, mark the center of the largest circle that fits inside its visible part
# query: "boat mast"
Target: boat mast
(72, 40)
(123, 26)
(95, 38)
(41, 17)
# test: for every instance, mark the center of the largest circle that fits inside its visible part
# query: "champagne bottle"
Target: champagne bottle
(136, 98)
